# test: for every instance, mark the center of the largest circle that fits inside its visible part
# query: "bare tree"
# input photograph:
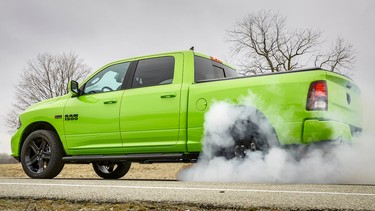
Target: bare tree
(45, 77)
(7, 159)
(267, 46)
(340, 57)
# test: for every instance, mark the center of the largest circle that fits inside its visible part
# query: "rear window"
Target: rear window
(206, 69)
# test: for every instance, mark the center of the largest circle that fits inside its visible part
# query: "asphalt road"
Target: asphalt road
(288, 196)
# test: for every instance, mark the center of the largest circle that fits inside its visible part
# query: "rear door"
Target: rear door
(150, 107)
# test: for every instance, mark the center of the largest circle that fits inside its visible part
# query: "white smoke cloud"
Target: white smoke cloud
(330, 163)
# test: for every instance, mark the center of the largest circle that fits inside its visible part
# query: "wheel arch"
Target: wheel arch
(37, 126)
(258, 117)
(245, 126)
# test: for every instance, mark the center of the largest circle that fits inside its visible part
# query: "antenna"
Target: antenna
(192, 48)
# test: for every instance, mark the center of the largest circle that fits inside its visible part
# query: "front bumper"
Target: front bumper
(15, 144)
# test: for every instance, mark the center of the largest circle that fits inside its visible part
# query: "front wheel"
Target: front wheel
(41, 155)
(109, 170)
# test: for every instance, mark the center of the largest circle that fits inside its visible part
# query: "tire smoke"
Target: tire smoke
(331, 163)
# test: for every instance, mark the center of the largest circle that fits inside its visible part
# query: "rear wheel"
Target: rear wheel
(41, 155)
(246, 142)
(110, 170)
(251, 132)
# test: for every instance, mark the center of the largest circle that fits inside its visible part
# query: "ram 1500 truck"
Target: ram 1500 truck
(151, 109)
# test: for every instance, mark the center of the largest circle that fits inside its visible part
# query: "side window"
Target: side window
(109, 79)
(230, 72)
(218, 72)
(155, 71)
(206, 69)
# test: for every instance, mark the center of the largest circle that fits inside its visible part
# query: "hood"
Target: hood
(43, 103)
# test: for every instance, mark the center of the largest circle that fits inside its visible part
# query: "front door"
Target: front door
(91, 120)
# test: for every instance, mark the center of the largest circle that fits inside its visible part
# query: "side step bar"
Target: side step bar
(141, 158)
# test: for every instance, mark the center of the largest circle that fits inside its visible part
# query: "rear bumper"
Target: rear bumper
(315, 130)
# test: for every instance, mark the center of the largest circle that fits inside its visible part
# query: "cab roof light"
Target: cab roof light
(216, 60)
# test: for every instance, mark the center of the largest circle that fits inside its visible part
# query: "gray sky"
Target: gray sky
(104, 31)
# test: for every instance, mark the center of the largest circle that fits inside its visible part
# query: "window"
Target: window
(206, 69)
(230, 72)
(155, 71)
(109, 79)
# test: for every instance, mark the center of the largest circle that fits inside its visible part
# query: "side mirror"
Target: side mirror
(73, 88)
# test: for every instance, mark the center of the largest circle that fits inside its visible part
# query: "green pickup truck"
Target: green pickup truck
(152, 109)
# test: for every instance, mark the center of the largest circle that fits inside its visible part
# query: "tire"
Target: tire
(41, 155)
(248, 136)
(252, 140)
(110, 170)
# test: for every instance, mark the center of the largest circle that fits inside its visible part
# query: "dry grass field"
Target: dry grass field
(164, 171)
(46, 204)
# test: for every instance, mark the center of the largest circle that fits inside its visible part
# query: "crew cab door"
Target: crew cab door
(150, 107)
(91, 120)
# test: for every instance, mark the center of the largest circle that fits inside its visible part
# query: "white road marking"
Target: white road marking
(192, 189)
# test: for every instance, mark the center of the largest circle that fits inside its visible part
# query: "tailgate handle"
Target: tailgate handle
(110, 102)
(169, 95)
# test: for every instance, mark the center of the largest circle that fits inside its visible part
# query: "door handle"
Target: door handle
(169, 95)
(110, 102)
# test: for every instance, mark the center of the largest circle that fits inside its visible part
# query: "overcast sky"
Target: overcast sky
(104, 31)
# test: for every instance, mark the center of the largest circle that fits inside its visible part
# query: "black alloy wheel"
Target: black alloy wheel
(111, 170)
(41, 155)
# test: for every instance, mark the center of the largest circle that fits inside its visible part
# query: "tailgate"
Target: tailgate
(344, 103)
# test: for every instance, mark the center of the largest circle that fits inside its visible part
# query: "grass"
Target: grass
(78, 171)
(44, 204)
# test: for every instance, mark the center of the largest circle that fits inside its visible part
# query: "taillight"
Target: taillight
(318, 96)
